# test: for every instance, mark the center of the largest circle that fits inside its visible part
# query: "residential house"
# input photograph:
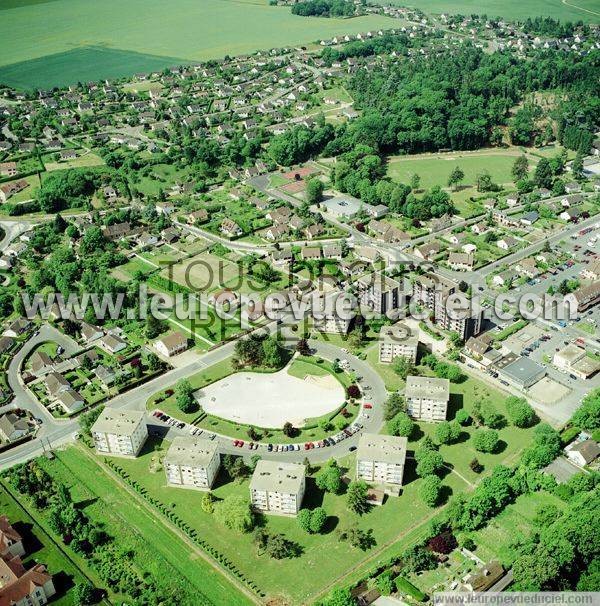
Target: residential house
(172, 344)
(461, 261)
(583, 453)
(230, 228)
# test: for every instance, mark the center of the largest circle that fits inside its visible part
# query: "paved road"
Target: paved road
(56, 432)
(12, 230)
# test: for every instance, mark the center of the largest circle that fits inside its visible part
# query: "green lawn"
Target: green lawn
(154, 549)
(435, 169)
(39, 547)
(323, 558)
(459, 455)
(300, 369)
(95, 40)
(510, 9)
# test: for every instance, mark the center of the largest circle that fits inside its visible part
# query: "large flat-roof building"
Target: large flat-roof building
(427, 398)
(120, 432)
(191, 462)
(398, 341)
(278, 487)
(522, 372)
(380, 460)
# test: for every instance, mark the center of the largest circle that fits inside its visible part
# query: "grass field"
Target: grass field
(154, 550)
(323, 558)
(56, 43)
(575, 10)
(434, 169)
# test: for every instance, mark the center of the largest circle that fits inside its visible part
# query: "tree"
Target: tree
(428, 462)
(403, 367)
(520, 413)
(456, 176)
(418, 558)
(339, 597)
(393, 405)
(207, 503)
(234, 512)
(357, 537)
(314, 190)
(302, 347)
(313, 521)
(577, 166)
(520, 169)
(154, 327)
(486, 440)
(356, 497)
(415, 182)
(84, 594)
(272, 353)
(329, 478)
(588, 415)
(447, 433)
(462, 417)
(184, 397)
(289, 430)
(430, 490)
(543, 175)
(444, 542)
(484, 182)
(401, 425)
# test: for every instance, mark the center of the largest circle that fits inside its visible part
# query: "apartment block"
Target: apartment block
(433, 292)
(427, 398)
(277, 487)
(397, 341)
(192, 462)
(380, 460)
(380, 293)
(120, 432)
(333, 323)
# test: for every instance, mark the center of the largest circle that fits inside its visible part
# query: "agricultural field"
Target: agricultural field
(112, 39)
(584, 10)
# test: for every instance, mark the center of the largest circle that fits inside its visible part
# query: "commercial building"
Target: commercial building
(192, 462)
(398, 341)
(277, 487)
(521, 373)
(380, 460)
(427, 398)
(120, 432)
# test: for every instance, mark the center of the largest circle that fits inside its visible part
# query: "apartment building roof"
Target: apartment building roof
(399, 333)
(120, 422)
(275, 476)
(191, 451)
(385, 449)
(427, 387)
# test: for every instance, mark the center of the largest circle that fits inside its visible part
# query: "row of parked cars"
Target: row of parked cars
(173, 422)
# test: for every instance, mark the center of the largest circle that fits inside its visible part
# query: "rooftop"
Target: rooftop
(275, 476)
(381, 448)
(427, 387)
(121, 422)
(399, 333)
(191, 451)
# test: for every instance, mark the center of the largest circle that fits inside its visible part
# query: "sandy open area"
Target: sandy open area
(271, 399)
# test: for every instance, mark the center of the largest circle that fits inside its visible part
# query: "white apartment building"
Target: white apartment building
(397, 341)
(192, 462)
(277, 487)
(120, 432)
(333, 323)
(427, 398)
(380, 460)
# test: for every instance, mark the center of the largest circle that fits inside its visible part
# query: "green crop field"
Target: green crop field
(61, 42)
(565, 10)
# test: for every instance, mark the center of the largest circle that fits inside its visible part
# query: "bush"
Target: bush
(462, 417)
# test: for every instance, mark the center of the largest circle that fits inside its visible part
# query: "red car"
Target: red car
(368, 406)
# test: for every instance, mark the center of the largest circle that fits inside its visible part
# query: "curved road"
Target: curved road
(54, 432)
